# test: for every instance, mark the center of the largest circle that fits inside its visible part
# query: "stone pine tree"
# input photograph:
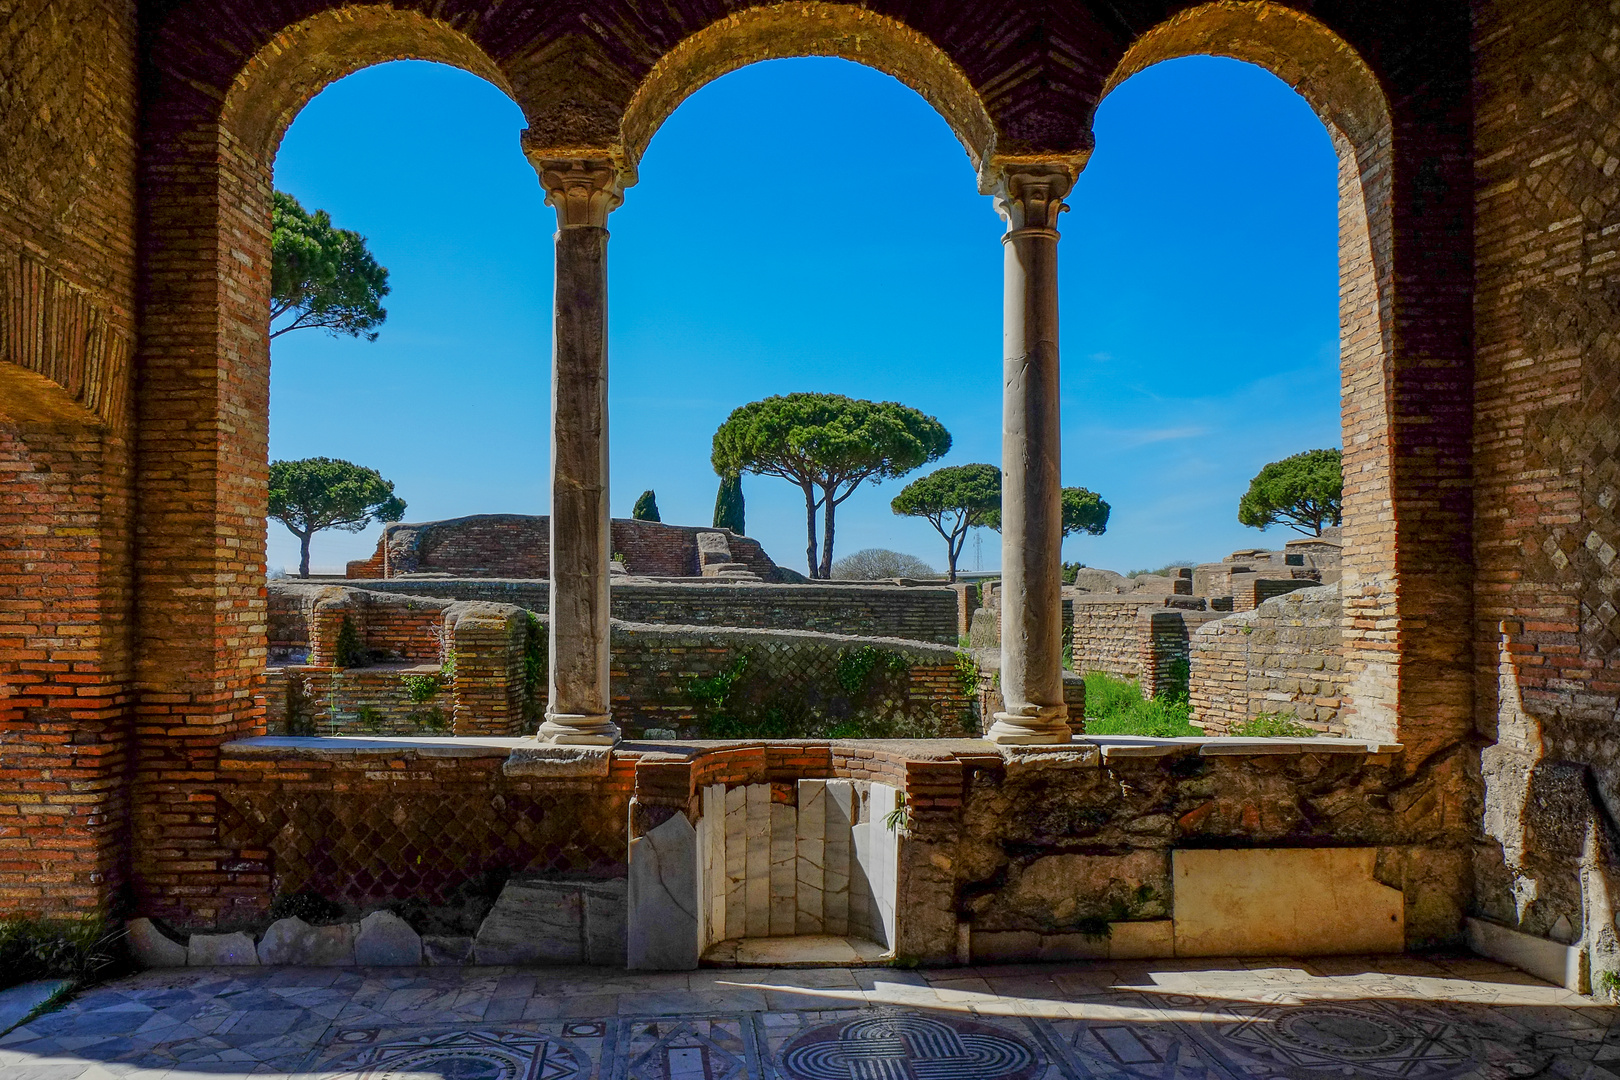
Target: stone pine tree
(320, 493)
(1084, 511)
(729, 511)
(1304, 492)
(826, 444)
(322, 277)
(953, 500)
(646, 508)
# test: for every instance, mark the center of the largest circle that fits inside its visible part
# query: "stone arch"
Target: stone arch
(1345, 93)
(808, 28)
(306, 57)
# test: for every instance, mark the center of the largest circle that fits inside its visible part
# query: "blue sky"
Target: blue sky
(814, 225)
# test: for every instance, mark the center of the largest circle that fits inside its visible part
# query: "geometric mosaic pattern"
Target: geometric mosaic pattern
(1060, 1022)
(906, 1045)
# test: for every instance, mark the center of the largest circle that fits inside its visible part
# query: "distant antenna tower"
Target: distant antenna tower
(978, 551)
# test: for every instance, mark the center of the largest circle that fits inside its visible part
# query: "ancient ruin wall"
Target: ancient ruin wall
(919, 613)
(1285, 656)
(1546, 467)
(519, 546)
(1136, 638)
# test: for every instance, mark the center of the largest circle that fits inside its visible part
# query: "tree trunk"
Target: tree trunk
(827, 534)
(810, 526)
(303, 553)
(953, 548)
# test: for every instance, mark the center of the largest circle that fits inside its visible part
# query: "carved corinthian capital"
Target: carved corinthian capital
(584, 190)
(1030, 196)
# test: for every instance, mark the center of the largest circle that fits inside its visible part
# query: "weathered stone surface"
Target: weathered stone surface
(533, 922)
(293, 941)
(561, 761)
(605, 910)
(17, 1002)
(663, 922)
(386, 940)
(1284, 901)
(1056, 891)
(220, 950)
(446, 951)
(152, 948)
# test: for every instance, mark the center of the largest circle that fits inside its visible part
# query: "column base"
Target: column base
(574, 729)
(1049, 727)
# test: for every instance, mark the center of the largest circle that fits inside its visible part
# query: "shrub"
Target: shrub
(1117, 707)
(78, 949)
(646, 508)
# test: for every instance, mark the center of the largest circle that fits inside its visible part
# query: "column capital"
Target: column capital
(1029, 195)
(584, 190)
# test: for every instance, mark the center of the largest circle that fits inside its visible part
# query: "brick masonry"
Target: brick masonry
(519, 546)
(1139, 638)
(919, 613)
(1477, 223)
(487, 691)
(1285, 656)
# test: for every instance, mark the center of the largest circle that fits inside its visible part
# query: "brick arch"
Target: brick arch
(306, 57)
(202, 414)
(1347, 96)
(808, 28)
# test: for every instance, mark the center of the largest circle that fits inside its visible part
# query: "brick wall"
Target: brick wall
(519, 546)
(1139, 638)
(916, 613)
(652, 673)
(67, 317)
(1285, 656)
(1547, 379)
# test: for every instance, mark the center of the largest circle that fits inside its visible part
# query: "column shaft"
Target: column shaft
(581, 529)
(1032, 487)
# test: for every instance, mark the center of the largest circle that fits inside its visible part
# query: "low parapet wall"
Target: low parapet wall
(919, 613)
(1106, 847)
(1284, 656)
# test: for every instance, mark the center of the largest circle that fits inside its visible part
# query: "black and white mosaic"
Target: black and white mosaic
(1279, 1023)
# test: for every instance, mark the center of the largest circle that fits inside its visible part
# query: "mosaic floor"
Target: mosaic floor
(1414, 1019)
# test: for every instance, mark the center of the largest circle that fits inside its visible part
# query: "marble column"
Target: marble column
(1029, 198)
(584, 191)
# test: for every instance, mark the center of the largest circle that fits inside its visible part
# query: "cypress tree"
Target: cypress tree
(728, 504)
(646, 508)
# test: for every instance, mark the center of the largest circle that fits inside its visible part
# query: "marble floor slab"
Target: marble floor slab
(1388, 1017)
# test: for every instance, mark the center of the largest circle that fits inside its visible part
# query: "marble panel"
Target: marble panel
(663, 921)
(736, 920)
(784, 868)
(757, 886)
(810, 852)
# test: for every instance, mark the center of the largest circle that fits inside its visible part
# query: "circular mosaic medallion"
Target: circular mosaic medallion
(909, 1045)
(1372, 1040)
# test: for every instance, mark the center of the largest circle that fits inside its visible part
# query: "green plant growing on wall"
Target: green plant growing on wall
(714, 690)
(370, 717)
(534, 664)
(646, 508)
(433, 718)
(855, 666)
(1274, 725)
(898, 820)
(967, 674)
(350, 651)
(422, 687)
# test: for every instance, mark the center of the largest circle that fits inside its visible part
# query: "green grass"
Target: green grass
(1116, 707)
